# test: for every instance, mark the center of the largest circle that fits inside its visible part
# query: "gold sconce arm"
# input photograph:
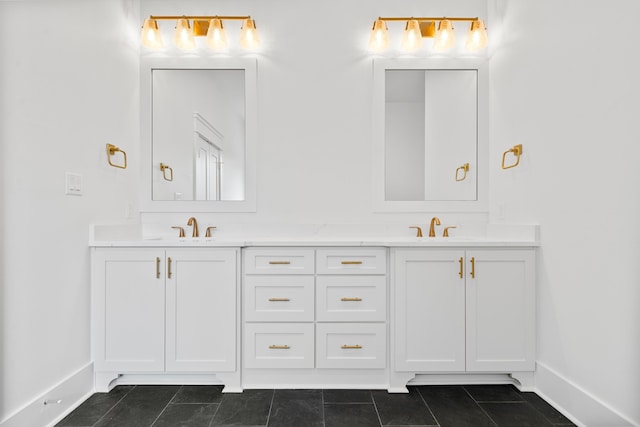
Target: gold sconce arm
(464, 168)
(517, 152)
(164, 168)
(111, 151)
(418, 230)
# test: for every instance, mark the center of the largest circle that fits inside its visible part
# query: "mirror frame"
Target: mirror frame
(147, 65)
(380, 66)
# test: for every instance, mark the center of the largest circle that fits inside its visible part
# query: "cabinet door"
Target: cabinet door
(201, 310)
(128, 310)
(429, 310)
(500, 310)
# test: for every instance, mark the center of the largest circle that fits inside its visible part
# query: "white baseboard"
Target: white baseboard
(574, 402)
(61, 399)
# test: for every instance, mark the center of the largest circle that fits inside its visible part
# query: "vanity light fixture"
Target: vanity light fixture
(424, 27)
(190, 27)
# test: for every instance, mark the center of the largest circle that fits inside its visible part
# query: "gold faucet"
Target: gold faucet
(418, 230)
(432, 230)
(208, 232)
(181, 233)
(446, 230)
(192, 221)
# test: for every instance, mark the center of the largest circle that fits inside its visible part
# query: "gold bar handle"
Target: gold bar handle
(157, 267)
(279, 299)
(464, 168)
(112, 150)
(169, 267)
(279, 347)
(473, 267)
(517, 152)
(350, 299)
(351, 262)
(279, 262)
(461, 274)
(357, 347)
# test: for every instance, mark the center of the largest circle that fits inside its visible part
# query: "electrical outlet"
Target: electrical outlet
(73, 184)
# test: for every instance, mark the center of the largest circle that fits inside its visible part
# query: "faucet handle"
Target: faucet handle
(418, 230)
(179, 228)
(208, 232)
(446, 230)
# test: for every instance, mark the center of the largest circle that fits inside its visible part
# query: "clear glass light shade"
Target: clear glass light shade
(216, 36)
(412, 38)
(151, 37)
(477, 37)
(379, 40)
(184, 38)
(249, 35)
(445, 38)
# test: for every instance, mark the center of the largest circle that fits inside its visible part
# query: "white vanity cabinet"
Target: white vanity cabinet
(463, 309)
(163, 310)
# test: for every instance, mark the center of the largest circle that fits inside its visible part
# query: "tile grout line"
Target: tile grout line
(428, 407)
(273, 397)
(166, 406)
(324, 422)
(480, 406)
(113, 406)
(375, 406)
(216, 412)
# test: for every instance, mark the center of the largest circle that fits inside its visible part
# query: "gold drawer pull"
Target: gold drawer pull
(157, 267)
(351, 262)
(357, 347)
(279, 299)
(279, 262)
(279, 347)
(350, 299)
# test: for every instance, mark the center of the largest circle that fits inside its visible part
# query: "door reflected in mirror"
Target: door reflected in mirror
(430, 133)
(198, 127)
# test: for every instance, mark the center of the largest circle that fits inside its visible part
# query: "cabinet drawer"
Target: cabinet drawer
(351, 261)
(278, 345)
(351, 298)
(352, 346)
(279, 261)
(278, 298)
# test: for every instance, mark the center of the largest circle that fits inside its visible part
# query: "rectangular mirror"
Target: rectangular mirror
(198, 134)
(429, 135)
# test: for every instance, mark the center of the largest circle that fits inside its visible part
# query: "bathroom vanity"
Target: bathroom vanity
(313, 313)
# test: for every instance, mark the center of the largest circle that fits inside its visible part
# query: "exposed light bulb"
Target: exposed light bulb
(412, 38)
(445, 38)
(151, 37)
(379, 40)
(477, 37)
(249, 35)
(184, 38)
(216, 36)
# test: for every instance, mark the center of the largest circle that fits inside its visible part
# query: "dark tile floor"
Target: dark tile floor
(191, 406)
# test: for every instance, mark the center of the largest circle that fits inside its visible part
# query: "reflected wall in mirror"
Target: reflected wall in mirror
(198, 129)
(429, 135)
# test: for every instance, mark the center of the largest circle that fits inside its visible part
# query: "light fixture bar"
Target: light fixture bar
(199, 17)
(420, 19)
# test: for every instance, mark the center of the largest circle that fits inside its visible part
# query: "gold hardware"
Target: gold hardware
(164, 168)
(279, 262)
(350, 299)
(464, 168)
(446, 230)
(279, 347)
(461, 261)
(169, 267)
(157, 268)
(473, 267)
(208, 232)
(279, 299)
(192, 221)
(181, 233)
(352, 346)
(434, 221)
(112, 150)
(418, 230)
(351, 262)
(517, 152)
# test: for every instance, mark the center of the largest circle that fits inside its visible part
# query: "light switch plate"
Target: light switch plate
(73, 184)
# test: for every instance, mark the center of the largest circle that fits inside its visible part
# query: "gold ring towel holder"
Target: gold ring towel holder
(164, 168)
(464, 168)
(111, 151)
(517, 152)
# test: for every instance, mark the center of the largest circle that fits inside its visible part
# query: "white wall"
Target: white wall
(69, 85)
(564, 83)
